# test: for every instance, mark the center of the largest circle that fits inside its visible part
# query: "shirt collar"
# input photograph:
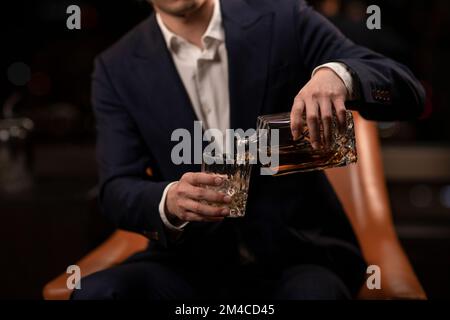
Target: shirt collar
(214, 31)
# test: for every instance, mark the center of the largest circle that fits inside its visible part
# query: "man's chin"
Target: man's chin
(183, 9)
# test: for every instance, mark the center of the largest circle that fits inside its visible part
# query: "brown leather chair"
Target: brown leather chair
(362, 191)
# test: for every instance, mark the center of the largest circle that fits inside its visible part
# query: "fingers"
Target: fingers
(341, 112)
(319, 113)
(316, 99)
(203, 194)
(326, 117)
(194, 217)
(297, 112)
(312, 119)
(204, 210)
(191, 201)
(201, 178)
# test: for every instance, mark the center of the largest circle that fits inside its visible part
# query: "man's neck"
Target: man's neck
(192, 26)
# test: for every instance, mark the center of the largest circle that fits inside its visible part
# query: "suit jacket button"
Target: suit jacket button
(149, 172)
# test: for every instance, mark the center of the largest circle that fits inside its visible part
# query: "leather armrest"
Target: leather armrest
(362, 191)
(398, 280)
(119, 246)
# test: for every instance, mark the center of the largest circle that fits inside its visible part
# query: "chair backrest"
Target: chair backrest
(362, 191)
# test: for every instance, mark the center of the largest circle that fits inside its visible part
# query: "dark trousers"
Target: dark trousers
(169, 281)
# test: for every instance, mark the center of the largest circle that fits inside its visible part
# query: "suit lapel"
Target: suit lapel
(157, 73)
(248, 40)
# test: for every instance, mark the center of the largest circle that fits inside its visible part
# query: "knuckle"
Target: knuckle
(342, 113)
(311, 118)
(298, 100)
(199, 193)
(342, 110)
(318, 93)
(187, 176)
(338, 101)
(193, 179)
(181, 190)
(340, 95)
(181, 204)
(330, 93)
(183, 216)
(296, 116)
(295, 122)
(299, 109)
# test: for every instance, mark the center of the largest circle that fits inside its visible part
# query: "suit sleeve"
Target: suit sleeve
(387, 90)
(127, 196)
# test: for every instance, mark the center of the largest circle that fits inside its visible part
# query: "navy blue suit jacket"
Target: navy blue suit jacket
(273, 46)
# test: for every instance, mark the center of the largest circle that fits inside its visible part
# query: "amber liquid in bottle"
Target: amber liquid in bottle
(299, 156)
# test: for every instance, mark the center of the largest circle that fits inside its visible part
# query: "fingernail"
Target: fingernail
(227, 199)
(226, 212)
(218, 181)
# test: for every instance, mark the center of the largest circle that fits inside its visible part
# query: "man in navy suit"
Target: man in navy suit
(224, 63)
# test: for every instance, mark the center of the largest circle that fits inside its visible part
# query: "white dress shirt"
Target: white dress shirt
(204, 73)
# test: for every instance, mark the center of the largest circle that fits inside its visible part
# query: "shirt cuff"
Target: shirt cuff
(342, 72)
(162, 212)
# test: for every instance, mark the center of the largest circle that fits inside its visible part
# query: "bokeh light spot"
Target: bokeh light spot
(19, 73)
(421, 196)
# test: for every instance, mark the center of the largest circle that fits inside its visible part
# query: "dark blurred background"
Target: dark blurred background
(48, 214)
